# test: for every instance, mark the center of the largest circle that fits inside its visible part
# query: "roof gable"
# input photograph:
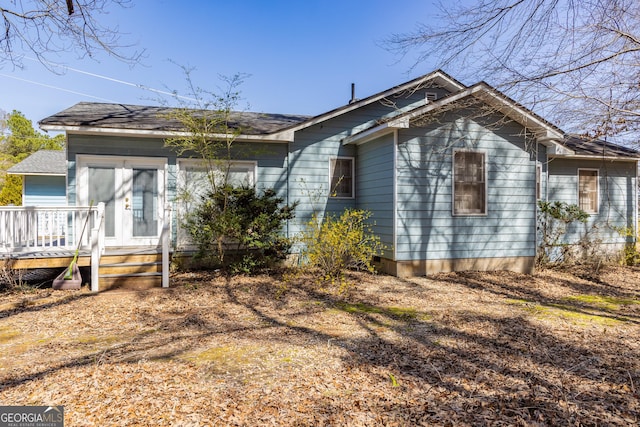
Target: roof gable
(437, 78)
(545, 131)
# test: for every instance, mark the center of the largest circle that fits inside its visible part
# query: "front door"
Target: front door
(132, 190)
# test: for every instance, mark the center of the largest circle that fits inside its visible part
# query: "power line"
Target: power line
(111, 79)
(57, 88)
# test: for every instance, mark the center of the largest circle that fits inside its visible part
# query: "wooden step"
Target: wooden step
(134, 281)
(130, 259)
(130, 268)
(130, 271)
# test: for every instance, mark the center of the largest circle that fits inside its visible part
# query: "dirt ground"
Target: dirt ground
(556, 348)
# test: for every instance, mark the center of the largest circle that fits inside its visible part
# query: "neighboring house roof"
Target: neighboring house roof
(158, 119)
(597, 147)
(43, 162)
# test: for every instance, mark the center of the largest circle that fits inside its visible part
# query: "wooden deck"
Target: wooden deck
(134, 267)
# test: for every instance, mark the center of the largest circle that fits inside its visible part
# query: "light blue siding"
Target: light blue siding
(617, 184)
(271, 160)
(314, 146)
(44, 191)
(426, 226)
(374, 177)
(97, 145)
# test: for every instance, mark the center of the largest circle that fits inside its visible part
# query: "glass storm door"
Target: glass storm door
(132, 191)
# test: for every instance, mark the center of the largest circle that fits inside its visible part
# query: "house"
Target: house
(44, 178)
(451, 173)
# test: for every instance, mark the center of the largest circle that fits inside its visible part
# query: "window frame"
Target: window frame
(485, 209)
(183, 241)
(597, 190)
(184, 163)
(353, 177)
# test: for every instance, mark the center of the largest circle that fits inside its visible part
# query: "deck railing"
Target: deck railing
(30, 228)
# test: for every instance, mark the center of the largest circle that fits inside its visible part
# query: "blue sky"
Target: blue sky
(302, 56)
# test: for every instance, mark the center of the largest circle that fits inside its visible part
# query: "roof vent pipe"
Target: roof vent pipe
(353, 93)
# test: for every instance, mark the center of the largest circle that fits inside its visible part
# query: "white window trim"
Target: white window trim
(353, 178)
(597, 171)
(453, 183)
(539, 182)
(183, 241)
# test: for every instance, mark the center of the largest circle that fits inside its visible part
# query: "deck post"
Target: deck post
(95, 261)
(96, 248)
(166, 238)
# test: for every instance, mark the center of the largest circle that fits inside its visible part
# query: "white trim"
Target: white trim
(369, 134)
(453, 182)
(36, 174)
(597, 171)
(122, 164)
(538, 181)
(487, 94)
(545, 133)
(396, 141)
(253, 165)
(353, 177)
(592, 157)
(278, 137)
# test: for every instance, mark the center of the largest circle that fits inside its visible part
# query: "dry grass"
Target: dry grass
(557, 348)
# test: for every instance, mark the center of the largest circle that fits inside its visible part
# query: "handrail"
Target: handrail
(44, 227)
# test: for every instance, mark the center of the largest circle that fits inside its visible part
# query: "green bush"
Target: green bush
(337, 244)
(239, 230)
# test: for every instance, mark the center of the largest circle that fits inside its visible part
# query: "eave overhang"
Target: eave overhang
(36, 173)
(545, 133)
(593, 157)
(278, 137)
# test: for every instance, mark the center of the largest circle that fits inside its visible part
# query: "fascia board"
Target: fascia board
(596, 157)
(484, 93)
(280, 137)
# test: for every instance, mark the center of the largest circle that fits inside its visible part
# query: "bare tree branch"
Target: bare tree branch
(45, 27)
(576, 62)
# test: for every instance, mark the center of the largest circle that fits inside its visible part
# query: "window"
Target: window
(342, 177)
(469, 189)
(193, 180)
(588, 190)
(193, 183)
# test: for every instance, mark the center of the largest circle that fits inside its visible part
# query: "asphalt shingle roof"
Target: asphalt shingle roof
(43, 162)
(159, 119)
(598, 147)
